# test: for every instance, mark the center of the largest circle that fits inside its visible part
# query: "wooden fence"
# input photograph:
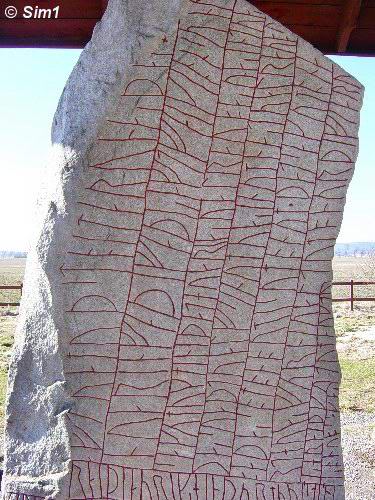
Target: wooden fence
(352, 298)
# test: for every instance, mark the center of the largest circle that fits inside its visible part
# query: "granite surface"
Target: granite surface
(176, 337)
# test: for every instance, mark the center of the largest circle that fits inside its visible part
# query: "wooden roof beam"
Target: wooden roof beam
(350, 14)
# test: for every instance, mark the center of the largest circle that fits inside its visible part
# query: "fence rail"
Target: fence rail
(352, 298)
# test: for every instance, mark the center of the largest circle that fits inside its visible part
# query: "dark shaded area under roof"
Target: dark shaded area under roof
(333, 26)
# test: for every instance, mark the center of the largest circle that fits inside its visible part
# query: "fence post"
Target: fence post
(351, 295)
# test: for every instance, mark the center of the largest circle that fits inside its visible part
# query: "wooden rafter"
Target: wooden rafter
(350, 14)
(316, 21)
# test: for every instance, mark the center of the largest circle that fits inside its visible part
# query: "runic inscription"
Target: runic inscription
(200, 356)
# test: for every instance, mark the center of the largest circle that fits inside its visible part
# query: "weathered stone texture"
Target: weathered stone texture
(188, 270)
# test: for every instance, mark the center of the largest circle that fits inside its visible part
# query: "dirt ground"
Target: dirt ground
(356, 348)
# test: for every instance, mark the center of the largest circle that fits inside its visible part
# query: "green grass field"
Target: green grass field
(357, 391)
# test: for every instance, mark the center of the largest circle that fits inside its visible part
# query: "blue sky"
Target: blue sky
(30, 87)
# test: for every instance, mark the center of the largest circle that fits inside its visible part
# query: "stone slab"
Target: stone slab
(177, 338)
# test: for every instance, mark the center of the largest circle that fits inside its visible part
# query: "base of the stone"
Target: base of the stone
(94, 481)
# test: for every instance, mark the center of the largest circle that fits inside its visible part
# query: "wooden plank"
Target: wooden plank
(355, 282)
(352, 295)
(322, 38)
(317, 21)
(349, 18)
(305, 14)
(356, 299)
(362, 42)
(366, 18)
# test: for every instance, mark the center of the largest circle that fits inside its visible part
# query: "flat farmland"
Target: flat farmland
(11, 273)
(356, 269)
